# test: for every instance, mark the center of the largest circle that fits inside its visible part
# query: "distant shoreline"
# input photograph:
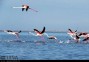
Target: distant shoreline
(46, 31)
(33, 31)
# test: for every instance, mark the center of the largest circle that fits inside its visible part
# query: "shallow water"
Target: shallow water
(30, 47)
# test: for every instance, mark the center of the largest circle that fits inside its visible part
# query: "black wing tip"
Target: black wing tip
(76, 31)
(77, 37)
(20, 31)
(27, 8)
(80, 34)
(43, 30)
(9, 30)
(44, 27)
(86, 39)
(69, 29)
(34, 29)
(22, 9)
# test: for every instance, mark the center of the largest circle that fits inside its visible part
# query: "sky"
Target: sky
(55, 15)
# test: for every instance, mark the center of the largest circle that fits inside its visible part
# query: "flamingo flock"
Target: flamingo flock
(76, 36)
(73, 34)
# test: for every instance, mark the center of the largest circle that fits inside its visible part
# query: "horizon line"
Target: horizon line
(33, 31)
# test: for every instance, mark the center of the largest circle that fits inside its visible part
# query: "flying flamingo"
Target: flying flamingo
(84, 35)
(26, 7)
(74, 35)
(13, 32)
(39, 33)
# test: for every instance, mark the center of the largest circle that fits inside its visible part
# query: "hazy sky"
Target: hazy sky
(56, 15)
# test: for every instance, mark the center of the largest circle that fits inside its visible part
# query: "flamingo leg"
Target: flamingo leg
(43, 39)
(56, 41)
(33, 10)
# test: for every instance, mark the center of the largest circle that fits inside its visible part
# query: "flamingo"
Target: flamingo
(13, 32)
(84, 35)
(50, 37)
(39, 33)
(26, 7)
(74, 35)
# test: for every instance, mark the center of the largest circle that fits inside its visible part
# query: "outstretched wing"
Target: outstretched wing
(43, 30)
(36, 31)
(77, 37)
(80, 34)
(70, 30)
(9, 31)
(20, 31)
(23, 8)
(76, 31)
(83, 34)
(27, 8)
(86, 39)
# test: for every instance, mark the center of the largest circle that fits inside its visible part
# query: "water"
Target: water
(30, 47)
